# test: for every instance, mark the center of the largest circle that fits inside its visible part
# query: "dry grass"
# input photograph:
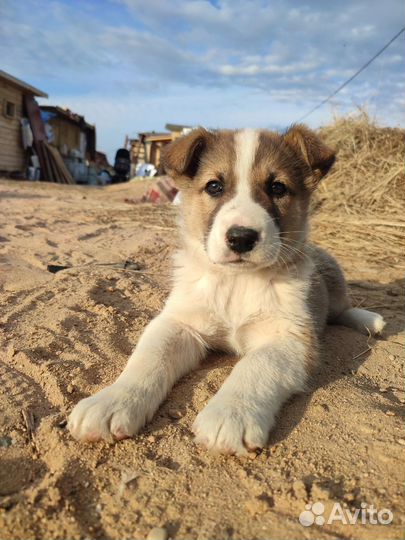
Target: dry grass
(369, 174)
(363, 198)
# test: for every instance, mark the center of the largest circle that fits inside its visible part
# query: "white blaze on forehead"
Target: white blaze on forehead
(243, 211)
(246, 143)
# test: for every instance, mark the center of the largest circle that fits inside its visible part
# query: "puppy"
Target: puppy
(246, 281)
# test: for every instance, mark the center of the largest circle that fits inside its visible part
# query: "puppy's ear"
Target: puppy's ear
(181, 158)
(316, 154)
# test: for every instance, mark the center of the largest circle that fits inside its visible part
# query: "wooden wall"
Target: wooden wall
(65, 132)
(12, 154)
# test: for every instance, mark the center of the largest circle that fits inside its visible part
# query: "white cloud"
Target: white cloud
(133, 65)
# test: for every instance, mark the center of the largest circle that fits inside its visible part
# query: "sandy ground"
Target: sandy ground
(66, 335)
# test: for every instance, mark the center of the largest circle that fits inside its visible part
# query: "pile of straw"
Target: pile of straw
(362, 200)
(369, 173)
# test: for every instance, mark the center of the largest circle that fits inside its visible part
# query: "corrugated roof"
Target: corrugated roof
(21, 84)
(68, 115)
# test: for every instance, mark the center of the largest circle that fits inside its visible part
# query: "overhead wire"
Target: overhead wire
(356, 74)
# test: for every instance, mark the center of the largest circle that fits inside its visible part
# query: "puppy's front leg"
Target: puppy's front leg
(242, 413)
(166, 351)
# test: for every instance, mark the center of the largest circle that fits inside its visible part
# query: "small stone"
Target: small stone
(130, 479)
(401, 442)
(174, 413)
(383, 389)
(392, 357)
(158, 533)
(390, 413)
(70, 388)
(151, 439)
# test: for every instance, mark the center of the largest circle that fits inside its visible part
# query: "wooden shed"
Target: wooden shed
(13, 157)
(147, 148)
(70, 132)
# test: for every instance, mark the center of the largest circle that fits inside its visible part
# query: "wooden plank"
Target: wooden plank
(54, 167)
(62, 169)
(49, 172)
(34, 115)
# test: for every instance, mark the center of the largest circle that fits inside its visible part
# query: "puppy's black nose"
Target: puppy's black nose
(241, 239)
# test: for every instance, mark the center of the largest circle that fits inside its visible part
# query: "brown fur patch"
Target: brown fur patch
(275, 159)
(215, 163)
(316, 154)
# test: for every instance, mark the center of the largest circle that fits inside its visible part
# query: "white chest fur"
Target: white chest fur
(228, 307)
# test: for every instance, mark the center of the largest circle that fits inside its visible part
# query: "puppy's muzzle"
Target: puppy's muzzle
(241, 239)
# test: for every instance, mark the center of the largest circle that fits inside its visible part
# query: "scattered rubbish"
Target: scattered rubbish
(162, 191)
(53, 169)
(75, 140)
(146, 169)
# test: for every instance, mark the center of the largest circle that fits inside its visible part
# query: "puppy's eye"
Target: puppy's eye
(214, 188)
(275, 189)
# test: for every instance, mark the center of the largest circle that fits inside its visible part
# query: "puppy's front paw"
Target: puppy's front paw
(231, 426)
(115, 413)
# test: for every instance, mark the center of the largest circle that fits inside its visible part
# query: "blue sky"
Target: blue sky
(131, 65)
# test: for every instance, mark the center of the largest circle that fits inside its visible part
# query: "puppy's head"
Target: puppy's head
(246, 193)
